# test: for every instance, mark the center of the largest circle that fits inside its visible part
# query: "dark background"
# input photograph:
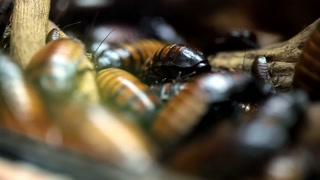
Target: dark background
(198, 22)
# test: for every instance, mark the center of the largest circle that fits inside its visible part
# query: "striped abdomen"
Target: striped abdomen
(127, 94)
(307, 71)
(180, 115)
(204, 102)
(128, 56)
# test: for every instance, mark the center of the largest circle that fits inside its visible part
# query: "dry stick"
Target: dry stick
(281, 57)
(87, 84)
(28, 32)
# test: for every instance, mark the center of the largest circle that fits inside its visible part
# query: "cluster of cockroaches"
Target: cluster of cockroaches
(164, 104)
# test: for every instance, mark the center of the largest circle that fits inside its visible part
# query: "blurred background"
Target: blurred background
(209, 25)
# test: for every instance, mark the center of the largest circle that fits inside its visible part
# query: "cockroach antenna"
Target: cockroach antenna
(94, 53)
(68, 25)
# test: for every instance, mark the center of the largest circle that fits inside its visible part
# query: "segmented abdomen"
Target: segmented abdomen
(128, 56)
(259, 68)
(175, 62)
(180, 115)
(205, 101)
(127, 94)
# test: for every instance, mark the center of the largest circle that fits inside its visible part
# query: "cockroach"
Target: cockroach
(173, 62)
(206, 99)
(168, 90)
(279, 121)
(306, 74)
(128, 95)
(128, 56)
(107, 134)
(241, 39)
(53, 69)
(22, 108)
(248, 146)
(259, 69)
(53, 35)
(33, 159)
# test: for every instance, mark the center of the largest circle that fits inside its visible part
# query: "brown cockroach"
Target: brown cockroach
(128, 95)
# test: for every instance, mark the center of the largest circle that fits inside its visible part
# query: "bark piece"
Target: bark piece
(281, 58)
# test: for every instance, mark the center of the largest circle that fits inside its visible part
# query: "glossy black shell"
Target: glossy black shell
(179, 56)
(175, 61)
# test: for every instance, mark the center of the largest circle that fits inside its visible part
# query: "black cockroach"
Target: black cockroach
(234, 40)
(174, 62)
(128, 56)
(241, 39)
(248, 147)
(306, 74)
(275, 126)
(168, 90)
(278, 121)
(128, 95)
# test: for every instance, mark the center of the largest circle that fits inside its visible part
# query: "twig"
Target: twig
(29, 22)
(281, 57)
